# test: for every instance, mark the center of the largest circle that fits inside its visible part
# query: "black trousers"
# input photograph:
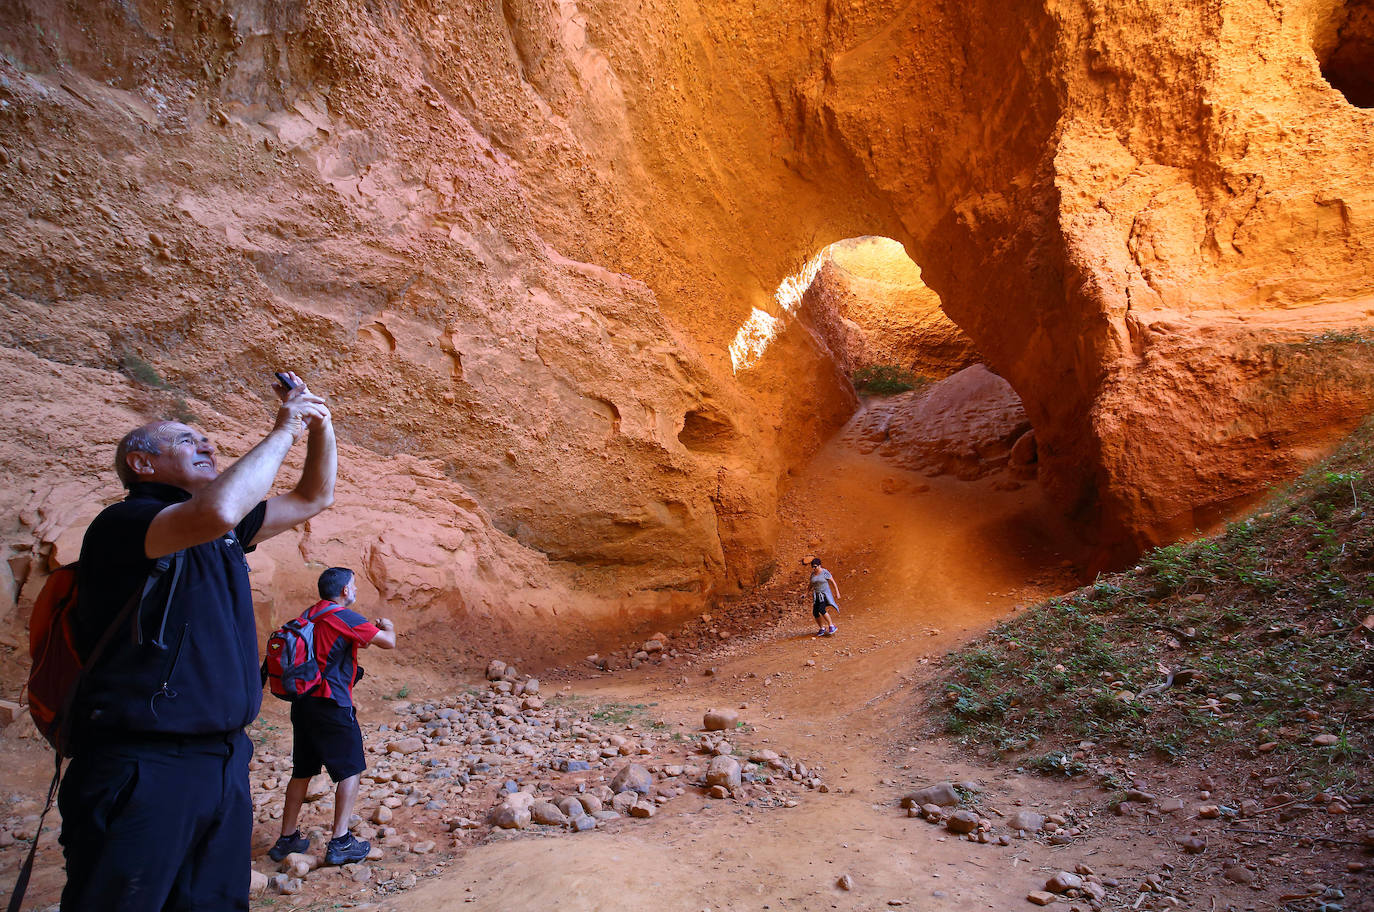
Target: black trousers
(158, 825)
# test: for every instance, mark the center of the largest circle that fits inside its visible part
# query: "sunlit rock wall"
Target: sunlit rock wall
(537, 247)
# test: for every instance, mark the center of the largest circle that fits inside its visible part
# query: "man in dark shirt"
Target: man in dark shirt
(325, 724)
(156, 810)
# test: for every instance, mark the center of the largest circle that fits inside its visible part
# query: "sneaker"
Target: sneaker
(833, 630)
(345, 850)
(820, 633)
(286, 845)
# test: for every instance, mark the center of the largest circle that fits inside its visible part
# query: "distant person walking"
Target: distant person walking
(325, 724)
(824, 592)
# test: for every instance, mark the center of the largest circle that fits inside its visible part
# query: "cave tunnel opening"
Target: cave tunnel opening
(1346, 54)
(881, 320)
(888, 330)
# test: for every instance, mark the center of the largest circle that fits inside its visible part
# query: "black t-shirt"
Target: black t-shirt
(196, 670)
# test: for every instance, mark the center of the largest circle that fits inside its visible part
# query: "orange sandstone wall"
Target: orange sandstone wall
(523, 244)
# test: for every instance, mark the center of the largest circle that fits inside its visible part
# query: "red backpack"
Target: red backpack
(58, 667)
(59, 670)
(291, 669)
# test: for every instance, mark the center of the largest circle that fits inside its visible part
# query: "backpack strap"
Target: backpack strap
(21, 883)
(332, 609)
(174, 562)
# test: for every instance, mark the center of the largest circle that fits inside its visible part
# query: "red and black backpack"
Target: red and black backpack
(292, 669)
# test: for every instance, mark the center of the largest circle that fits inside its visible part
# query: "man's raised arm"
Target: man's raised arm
(314, 492)
(219, 502)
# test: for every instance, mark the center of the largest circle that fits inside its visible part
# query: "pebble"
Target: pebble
(1041, 898)
(1239, 874)
(845, 882)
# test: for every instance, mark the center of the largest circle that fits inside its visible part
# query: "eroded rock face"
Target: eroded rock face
(870, 304)
(516, 244)
(965, 425)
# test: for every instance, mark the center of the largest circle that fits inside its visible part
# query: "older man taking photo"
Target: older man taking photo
(156, 810)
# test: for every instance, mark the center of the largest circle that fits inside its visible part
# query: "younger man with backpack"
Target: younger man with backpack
(325, 723)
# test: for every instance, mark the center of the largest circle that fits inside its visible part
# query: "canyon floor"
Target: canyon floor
(923, 565)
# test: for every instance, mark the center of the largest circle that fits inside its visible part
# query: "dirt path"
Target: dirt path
(923, 565)
(918, 572)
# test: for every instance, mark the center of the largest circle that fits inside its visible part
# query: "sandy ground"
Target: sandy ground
(919, 573)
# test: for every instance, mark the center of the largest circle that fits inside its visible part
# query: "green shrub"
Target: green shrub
(886, 379)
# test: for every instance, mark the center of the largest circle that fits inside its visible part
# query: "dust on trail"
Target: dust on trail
(918, 573)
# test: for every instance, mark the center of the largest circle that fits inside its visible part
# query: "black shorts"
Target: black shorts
(325, 734)
(820, 605)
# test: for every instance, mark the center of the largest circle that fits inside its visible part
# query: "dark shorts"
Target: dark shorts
(820, 604)
(325, 734)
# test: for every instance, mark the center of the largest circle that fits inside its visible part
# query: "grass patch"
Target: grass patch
(886, 380)
(137, 369)
(1261, 627)
(619, 713)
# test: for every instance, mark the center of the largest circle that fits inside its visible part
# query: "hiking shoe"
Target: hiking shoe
(286, 845)
(345, 850)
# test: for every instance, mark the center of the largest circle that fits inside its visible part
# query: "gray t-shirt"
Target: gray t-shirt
(820, 585)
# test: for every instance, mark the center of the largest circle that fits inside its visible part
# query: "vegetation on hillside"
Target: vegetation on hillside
(1259, 640)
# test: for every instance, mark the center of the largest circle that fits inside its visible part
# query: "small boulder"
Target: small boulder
(720, 719)
(1063, 882)
(962, 822)
(495, 670)
(941, 793)
(1029, 821)
(9, 711)
(632, 777)
(547, 813)
(510, 818)
(723, 771)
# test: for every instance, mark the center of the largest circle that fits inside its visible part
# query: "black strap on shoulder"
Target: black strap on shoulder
(173, 562)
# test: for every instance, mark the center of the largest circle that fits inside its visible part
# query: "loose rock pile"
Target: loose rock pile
(490, 763)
